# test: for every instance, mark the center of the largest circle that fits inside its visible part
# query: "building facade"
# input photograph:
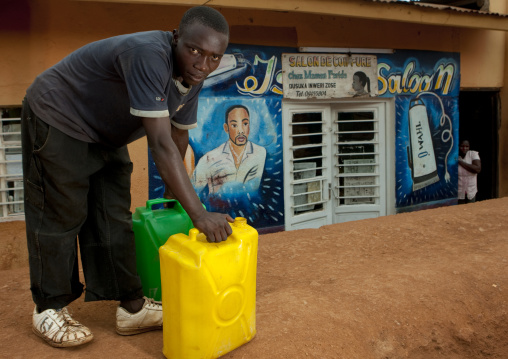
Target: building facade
(355, 108)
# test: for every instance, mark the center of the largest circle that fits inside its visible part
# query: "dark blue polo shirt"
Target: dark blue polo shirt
(100, 92)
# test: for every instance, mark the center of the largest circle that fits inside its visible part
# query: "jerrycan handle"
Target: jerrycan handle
(150, 203)
(239, 222)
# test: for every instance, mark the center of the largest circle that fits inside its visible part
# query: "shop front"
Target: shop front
(291, 139)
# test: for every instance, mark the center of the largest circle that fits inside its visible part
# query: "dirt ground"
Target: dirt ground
(423, 285)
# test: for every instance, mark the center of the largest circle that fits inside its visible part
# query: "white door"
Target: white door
(334, 163)
(307, 170)
(359, 183)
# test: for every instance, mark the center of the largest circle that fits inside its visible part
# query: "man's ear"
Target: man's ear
(226, 129)
(175, 36)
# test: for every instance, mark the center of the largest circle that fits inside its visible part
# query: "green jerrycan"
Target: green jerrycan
(152, 228)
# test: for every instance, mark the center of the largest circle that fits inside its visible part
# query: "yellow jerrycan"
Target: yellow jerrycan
(208, 292)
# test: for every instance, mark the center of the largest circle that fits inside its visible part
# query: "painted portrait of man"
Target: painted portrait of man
(236, 166)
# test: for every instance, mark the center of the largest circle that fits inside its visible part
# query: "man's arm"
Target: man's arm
(181, 140)
(168, 158)
(474, 167)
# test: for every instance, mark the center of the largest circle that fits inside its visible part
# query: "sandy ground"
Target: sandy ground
(423, 285)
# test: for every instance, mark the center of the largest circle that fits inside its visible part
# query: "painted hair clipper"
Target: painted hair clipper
(421, 157)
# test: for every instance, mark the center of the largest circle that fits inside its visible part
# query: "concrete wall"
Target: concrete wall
(502, 7)
(36, 34)
(503, 135)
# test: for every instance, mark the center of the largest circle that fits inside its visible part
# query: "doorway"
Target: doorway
(479, 124)
(335, 162)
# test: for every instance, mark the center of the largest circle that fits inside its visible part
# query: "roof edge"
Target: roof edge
(383, 10)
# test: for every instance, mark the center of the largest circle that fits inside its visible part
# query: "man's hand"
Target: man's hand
(215, 226)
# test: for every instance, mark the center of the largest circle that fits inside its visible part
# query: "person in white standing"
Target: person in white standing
(469, 167)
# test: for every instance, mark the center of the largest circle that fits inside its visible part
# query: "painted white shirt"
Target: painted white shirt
(216, 169)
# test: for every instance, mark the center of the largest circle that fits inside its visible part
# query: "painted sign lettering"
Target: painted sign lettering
(410, 82)
(251, 85)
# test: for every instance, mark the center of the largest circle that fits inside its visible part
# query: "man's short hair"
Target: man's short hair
(231, 108)
(206, 16)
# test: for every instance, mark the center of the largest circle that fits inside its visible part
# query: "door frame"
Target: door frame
(327, 107)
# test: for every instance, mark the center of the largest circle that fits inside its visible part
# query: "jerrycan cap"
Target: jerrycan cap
(193, 234)
(240, 222)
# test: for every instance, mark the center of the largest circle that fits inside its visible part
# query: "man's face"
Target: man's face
(238, 126)
(464, 147)
(198, 51)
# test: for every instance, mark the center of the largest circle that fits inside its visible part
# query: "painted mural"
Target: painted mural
(236, 163)
(426, 90)
(235, 157)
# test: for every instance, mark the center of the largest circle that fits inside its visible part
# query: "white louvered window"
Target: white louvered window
(357, 164)
(11, 172)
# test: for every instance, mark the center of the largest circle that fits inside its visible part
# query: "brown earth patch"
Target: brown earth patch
(422, 285)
